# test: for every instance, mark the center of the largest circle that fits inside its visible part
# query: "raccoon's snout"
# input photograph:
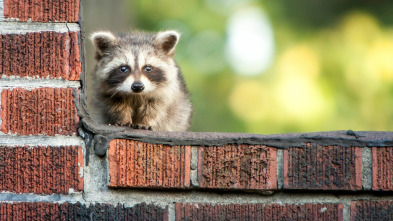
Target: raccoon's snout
(137, 87)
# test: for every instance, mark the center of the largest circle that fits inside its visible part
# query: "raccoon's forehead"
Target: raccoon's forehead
(136, 37)
(135, 56)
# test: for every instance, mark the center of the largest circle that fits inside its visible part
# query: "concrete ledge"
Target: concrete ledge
(281, 141)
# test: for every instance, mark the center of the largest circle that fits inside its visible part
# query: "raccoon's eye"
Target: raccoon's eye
(148, 68)
(124, 69)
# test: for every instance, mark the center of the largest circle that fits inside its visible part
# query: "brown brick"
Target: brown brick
(137, 164)
(371, 210)
(42, 10)
(46, 111)
(382, 168)
(207, 211)
(249, 167)
(41, 170)
(67, 211)
(40, 55)
(315, 167)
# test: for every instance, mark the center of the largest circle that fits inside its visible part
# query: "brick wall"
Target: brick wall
(40, 63)
(58, 164)
(316, 176)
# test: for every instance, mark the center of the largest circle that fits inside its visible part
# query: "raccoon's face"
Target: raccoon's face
(137, 63)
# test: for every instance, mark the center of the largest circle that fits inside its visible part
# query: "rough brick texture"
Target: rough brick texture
(41, 170)
(316, 167)
(371, 210)
(137, 164)
(67, 211)
(42, 10)
(197, 211)
(40, 55)
(46, 111)
(251, 167)
(382, 168)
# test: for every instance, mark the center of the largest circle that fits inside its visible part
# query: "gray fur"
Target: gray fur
(164, 104)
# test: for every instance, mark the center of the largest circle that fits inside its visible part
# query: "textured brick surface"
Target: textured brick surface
(46, 111)
(197, 211)
(316, 167)
(382, 168)
(137, 164)
(42, 10)
(371, 210)
(237, 167)
(67, 211)
(40, 55)
(41, 170)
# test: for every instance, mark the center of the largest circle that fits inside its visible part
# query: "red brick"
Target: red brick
(46, 111)
(42, 10)
(67, 211)
(371, 210)
(41, 170)
(315, 167)
(382, 167)
(207, 211)
(249, 167)
(138, 164)
(40, 55)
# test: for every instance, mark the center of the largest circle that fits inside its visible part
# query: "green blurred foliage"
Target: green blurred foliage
(332, 67)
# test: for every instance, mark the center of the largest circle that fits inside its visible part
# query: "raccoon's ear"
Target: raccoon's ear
(104, 42)
(167, 41)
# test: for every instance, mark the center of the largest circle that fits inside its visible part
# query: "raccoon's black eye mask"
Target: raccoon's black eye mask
(118, 75)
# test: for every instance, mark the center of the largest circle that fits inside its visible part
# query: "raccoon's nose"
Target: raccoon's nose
(137, 87)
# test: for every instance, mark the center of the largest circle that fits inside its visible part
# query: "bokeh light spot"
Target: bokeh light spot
(301, 98)
(250, 41)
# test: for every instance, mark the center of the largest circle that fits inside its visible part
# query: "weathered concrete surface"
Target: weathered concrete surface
(27, 27)
(31, 83)
(281, 141)
(11, 140)
(366, 168)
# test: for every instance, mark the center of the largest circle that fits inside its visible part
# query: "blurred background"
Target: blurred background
(271, 66)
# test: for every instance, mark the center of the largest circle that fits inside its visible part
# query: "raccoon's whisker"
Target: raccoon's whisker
(114, 94)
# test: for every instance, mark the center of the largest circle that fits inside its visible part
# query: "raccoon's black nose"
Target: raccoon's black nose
(137, 87)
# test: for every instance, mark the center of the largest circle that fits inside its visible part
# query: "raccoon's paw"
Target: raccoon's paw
(143, 127)
(123, 125)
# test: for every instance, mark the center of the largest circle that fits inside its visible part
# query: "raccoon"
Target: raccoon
(139, 82)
